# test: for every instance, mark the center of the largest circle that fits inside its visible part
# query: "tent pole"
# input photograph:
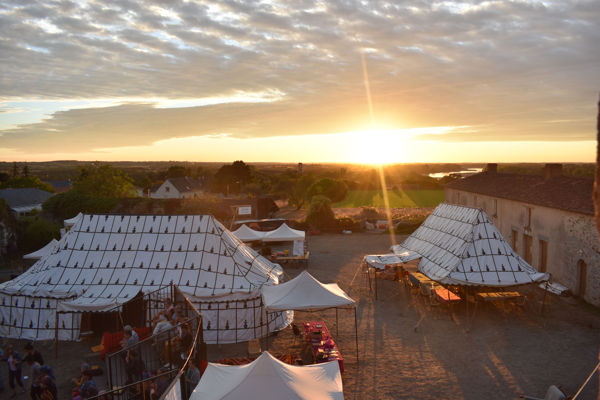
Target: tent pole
(355, 334)
(544, 299)
(467, 301)
(267, 313)
(337, 330)
(375, 283)
(56, 335)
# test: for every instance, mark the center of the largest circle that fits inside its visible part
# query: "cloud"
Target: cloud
(506, 67)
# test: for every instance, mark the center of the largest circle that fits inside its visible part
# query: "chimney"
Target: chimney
(552, 171)
(492, 168)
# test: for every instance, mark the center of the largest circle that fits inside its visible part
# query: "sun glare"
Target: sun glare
(377, 146)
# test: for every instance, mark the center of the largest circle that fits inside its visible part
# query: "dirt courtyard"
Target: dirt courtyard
(501, 356)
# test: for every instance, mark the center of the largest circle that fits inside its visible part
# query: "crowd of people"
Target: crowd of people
(173, 339)
(43, 382)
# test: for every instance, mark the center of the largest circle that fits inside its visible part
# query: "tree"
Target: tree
(232, 178)
(67, 205)
(334, 189)
(27, 182)
(35, 232)
(103, 181)
(178, 171)
(320, 215)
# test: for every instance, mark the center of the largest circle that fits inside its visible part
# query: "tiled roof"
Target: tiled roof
(186, 184)
(23, 197)
(563, 192)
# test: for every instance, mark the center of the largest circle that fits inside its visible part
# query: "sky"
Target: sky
(299, 80)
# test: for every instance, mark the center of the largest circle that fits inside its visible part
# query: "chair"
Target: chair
(553, 393)
(254, 349)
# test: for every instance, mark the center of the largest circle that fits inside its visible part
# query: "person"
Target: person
(134, 366)
(36, 379)
(168, 311)
(14, 370)
(33, 354)
(130, 338)
(192, 376)
(48, 390)
(88, 386)
(82, 368)
(161, 336)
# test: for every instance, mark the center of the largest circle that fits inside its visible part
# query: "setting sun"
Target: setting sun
(378, 146)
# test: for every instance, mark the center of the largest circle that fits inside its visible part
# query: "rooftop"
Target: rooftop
(561, 192)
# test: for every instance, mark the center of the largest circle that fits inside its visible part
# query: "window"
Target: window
(167, 189)
(515, 239)
(543, 255)
(527, 248)
(528, 217)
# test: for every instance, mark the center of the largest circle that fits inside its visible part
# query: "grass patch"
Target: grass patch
(398, 198)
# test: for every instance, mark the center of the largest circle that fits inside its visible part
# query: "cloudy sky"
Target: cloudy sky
(285, 80)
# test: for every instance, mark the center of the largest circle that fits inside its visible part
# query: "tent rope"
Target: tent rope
(586, 381)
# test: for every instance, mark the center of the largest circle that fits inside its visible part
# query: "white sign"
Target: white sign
(244, 210)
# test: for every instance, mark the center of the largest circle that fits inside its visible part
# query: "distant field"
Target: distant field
(398, 198)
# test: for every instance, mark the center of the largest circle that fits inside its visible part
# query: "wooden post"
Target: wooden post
(337, 330)
(356, 334)
(56, 334)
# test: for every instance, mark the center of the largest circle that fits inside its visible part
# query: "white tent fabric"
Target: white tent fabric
(460, 246)
(379, 261)
(106, 260)
(246, 234)
(72, 221)
(49, 248)
(268, 378)
(304, 292)
(283, 234)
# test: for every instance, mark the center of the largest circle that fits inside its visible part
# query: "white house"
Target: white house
(548, 220)
(178, 188)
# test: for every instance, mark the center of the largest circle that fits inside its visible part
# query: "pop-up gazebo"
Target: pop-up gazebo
(306, 293)
(268, 378)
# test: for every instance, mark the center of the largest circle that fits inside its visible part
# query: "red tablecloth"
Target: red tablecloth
(446, 296)
(332, 352)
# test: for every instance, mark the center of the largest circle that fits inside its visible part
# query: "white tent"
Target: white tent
(49, 248)
(284, 234)
(72, 221)
(246, 234)
(460, 246)
(379, 261)
(304, 292)
(104, 261)
(268, 378)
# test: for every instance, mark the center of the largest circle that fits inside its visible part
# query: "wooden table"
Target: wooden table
(502, 297)
(331, 353)
(445, 296)
(286, 259)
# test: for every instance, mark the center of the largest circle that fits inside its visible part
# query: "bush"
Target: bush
(349, 224)
(320, 215)
(35, 232)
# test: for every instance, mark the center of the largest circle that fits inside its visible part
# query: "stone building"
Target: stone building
(548, 220)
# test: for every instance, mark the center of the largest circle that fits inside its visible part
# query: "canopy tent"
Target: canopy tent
(460, 246)
(268, 378)
(283, 234)
(49, 248)
(246, 234)
(379, 261)
(304, 292)
(103, 261)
